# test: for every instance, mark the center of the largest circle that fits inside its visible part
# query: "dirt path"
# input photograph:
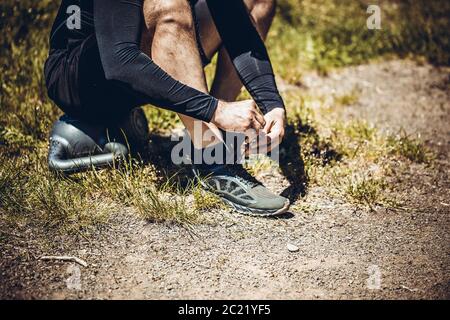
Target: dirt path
(341, 250)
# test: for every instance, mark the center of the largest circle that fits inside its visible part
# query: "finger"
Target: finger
(260, 118)
(256, 124)
(268, 126)
(275, 137)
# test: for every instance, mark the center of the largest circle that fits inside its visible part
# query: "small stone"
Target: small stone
(292, 248)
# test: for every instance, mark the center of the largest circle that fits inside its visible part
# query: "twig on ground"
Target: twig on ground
(65, 258)
(409, 289)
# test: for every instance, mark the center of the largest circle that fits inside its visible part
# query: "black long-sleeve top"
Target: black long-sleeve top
(117, 26)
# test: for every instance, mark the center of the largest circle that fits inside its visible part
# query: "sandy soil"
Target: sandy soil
(343, 252)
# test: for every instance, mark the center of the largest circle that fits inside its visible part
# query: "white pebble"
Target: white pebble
(292, 248)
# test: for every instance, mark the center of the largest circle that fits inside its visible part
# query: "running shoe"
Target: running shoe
(236, 187)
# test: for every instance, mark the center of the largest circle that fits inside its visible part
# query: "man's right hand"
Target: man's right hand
(238, 116)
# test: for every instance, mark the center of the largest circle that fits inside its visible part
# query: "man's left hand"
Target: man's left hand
(272, 133)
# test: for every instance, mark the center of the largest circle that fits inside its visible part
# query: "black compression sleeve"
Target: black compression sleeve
(247, 51)
(118, 26)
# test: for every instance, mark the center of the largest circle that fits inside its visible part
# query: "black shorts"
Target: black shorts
(76, 82)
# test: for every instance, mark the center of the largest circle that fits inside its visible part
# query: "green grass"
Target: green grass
(325, 34)
(308, 35)
(29, 190)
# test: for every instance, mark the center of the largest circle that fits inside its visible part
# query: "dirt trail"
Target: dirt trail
(243, 257)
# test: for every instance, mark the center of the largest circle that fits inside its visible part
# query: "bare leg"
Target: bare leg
(169, 38)
(226, 85)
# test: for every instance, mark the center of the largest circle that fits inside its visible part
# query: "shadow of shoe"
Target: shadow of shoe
(284, 216)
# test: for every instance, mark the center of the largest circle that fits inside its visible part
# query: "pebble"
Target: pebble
(292, 248)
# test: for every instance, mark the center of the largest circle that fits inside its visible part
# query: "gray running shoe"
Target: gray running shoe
(240, 190)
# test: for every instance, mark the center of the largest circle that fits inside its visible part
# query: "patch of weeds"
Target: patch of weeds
(63, 203)
(30, 190)
(361, 184)
(412, 149)
(11, 136)
(348, 99)
(160, 120)
(155, 205)
(325, 34)
(372, 192)
(314, 146)
(11, 183)
(360, 131)
(257, 164)
(79, 202)
(366, 190)
(135, 186)
(357, 139)
(305, 152)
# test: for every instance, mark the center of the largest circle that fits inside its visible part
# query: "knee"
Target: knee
(263, 9)
(174, 14)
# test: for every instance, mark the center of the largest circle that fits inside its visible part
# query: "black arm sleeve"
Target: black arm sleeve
(247, 51)
(118, 29)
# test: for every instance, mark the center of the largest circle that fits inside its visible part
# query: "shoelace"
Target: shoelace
(237, 171)
(243, 176)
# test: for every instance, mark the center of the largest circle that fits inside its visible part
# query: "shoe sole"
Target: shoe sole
(256, 212)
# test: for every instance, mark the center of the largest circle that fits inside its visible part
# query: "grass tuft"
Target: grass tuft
(412, 149)
(348, 99)
(366, 190)
(53, 200)
(206, 201)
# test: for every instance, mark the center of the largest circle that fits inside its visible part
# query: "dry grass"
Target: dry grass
(72, 204)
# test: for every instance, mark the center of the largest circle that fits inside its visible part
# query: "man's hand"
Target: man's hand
(238, 116)
(274, 128)
(271, 135)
